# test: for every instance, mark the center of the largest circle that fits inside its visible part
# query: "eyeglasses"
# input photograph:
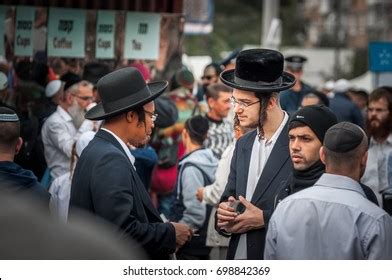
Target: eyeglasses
(241, 104)
(84, 98)
(206, 77)
(376, 110)
(152, 115)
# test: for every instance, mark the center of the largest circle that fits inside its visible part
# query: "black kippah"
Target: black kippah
(343, 137)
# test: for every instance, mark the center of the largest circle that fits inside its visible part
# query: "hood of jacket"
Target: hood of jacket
(12, 175)
(204, 159)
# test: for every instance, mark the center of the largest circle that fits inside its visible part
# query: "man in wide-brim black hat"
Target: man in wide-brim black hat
(105, 181)
(261, 158)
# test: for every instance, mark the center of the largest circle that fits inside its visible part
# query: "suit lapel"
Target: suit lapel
(278, 157)
(244, 162)
(149, 207)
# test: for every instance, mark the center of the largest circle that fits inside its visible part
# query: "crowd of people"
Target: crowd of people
(248, 163)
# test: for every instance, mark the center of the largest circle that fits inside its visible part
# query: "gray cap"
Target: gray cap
(343, 137)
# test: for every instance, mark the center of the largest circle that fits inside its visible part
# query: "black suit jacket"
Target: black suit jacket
(276, 170)
(106, 184)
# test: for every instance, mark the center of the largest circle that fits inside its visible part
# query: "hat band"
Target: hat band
(238, 80)
(9, 118)
(294, 64)
(123, 102)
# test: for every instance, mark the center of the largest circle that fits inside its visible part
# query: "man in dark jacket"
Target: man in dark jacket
(307, 129)
(13, 178)
(261, 158)
(105, 181)
(291, 99)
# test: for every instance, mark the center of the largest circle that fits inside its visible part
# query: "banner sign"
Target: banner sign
(104, 40)
(24, 22)
(3, 10)
(66, 32)
(380, 56)
(142, 32)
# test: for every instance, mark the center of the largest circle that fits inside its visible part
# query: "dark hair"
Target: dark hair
(197, 128)
(382, 92)
(214, 89)
(295, 124)
(323, 99)
(9, 131)
(216, 66)
(264, 98)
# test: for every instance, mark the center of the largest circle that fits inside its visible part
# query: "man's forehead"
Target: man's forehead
(210, 71)
(302, 131)
(242, 94)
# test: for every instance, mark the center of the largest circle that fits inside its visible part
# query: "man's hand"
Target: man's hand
(200, 194)
(225, 213)
(183, 234)
(252, 218)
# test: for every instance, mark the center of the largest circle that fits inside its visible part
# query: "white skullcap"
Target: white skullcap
(329, 85)
(342, 85)
(83, 141)
(52, 88)
(3, 81)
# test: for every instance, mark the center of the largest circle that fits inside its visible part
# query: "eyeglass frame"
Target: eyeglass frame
(241, 104)
(153, 115)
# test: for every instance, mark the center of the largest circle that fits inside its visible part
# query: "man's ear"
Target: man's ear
(18, 145)
(210, 102)
(130, 116)
(322, 154)
(364, 159)
(272, 102)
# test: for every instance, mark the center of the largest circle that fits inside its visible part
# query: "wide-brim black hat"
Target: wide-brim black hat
(258, 70)
(122, 91)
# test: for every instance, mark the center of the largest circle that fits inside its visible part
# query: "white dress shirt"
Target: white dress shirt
(376, 172)
(58, 135)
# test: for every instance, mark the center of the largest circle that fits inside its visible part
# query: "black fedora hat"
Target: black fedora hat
(123, 90)
(258, 70)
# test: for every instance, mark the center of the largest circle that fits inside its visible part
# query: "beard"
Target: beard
(77, 114)
(380, 131)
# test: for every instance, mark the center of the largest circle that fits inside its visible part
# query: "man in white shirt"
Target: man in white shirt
(261, 158)
(333, 219)
(379, 130)
(65, 125)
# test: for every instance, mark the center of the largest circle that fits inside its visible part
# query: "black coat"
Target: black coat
(276, 170)
(106, 184)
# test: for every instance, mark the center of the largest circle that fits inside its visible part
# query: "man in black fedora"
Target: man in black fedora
(261, 158)
(291, 99)
(105, 181)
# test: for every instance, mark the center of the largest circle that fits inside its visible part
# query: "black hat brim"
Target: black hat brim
(98, 112)
(288, 81)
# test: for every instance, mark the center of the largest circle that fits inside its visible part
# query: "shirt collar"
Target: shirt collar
(339, 182)
(63, 113)
(277, 132)
(387, 141)
(123, 145)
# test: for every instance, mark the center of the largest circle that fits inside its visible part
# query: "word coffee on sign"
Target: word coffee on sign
(66, 32)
